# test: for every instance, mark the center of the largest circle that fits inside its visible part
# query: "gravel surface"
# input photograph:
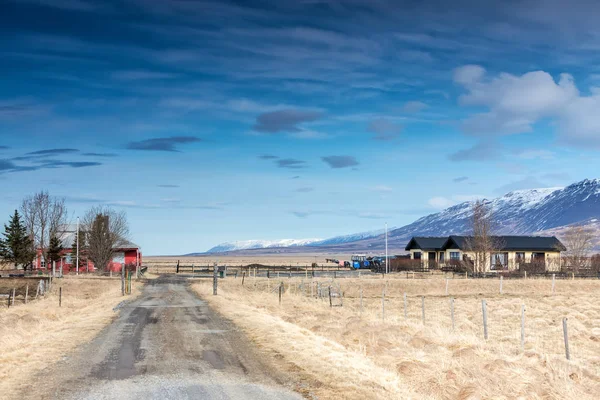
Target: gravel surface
(167, 344)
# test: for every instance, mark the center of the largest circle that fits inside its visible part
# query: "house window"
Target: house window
(499, 260)
(442, 257)
(417, 255)
(520, 256)
(455, 255)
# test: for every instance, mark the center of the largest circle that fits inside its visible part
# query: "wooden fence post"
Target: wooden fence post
(553, 282)
(12, 302)
(566, 335)
(452, 312)
(26, 293)
(243, 277)
(447, 280)
(122, 279)
(330, 302)
(522, 327)
(423, 309)
(484, 311)
(405, 307)
(280, 292)
(215, 278)
(60, 296)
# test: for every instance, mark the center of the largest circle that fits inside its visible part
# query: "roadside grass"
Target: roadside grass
(33, 336)
(343, 353)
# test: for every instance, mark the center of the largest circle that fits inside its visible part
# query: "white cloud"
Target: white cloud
(440, 202)
(468, 74)
(515, 103)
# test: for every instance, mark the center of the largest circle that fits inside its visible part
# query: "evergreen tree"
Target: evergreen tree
(16, 245)
(54, 249)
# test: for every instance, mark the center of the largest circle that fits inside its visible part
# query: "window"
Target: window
(417, 255)
(455, 255)
(499, 260)
(520, 256)
(442, 257)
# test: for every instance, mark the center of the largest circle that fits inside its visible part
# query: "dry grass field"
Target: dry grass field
(167, 263)
(35, 335)
(341, 352)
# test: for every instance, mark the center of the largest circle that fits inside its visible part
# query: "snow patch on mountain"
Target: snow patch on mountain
(260, 244)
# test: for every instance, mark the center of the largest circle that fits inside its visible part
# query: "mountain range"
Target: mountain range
(520, 212)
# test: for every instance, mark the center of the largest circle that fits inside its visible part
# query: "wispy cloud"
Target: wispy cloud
(99, 154)
(268, 157)
(291, 163)
(460, 179)
(482, 151)
(305, 189)
(168, 144)
(52, 152)
(340, 161)
(384, 129)
(168, 186)
(411, 107)
(141, 75)
(285, 120)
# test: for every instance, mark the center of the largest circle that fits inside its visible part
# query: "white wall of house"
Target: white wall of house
(552, 258)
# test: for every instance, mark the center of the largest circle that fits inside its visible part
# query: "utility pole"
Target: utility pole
(77, 256)
(387, 268)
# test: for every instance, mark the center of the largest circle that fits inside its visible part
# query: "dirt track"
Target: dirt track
(167, 344)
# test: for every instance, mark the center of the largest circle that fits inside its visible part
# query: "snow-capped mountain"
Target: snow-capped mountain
(260, 244)
(349, 238)
(519, 212)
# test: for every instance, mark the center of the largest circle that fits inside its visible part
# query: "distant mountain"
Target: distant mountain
(519, 212)
(259, 244)
(289, 243)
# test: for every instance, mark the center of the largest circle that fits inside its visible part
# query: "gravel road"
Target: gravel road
(166, 344)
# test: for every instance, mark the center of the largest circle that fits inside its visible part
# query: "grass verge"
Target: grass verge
(35, 335)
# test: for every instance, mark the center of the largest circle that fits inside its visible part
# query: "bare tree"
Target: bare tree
(579, 241)
(105, 230)
(45, 217)
(482, 243)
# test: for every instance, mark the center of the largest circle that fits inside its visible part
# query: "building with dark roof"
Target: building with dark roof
(427, 248)
(509, 252)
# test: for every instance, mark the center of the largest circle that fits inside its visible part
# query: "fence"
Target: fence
(521, 314)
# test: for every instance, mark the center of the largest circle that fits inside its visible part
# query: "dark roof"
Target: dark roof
(426, 243)
(514, 243)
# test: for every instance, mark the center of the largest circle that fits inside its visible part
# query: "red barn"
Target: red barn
(129, 255)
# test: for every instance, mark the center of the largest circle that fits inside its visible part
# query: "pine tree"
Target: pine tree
(54, 249)
(16, 246)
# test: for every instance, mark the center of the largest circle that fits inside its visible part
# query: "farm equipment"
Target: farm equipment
(360, 261)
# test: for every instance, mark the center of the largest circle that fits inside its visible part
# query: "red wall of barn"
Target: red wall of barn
(130, 259)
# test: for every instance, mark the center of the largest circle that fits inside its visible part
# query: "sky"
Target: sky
(215, 121)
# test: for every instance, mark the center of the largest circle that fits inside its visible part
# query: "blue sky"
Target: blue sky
(213, 121)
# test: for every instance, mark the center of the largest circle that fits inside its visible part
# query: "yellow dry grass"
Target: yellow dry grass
(35, 335)
(292, 260)
(348, 354)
